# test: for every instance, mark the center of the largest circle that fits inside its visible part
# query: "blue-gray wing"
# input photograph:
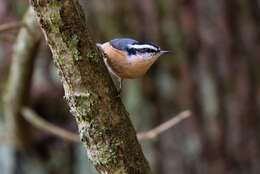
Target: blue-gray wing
(121, 43)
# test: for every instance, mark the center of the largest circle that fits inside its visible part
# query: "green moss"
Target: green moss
(109, 156)
(86, 101)
(55, 18)
(55, 23)
(55, 4)
(55, 29)
(92, 55)
(106, 155)
(73, 45)
(52, 23)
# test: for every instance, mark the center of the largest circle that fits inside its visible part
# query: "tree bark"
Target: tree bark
(103, 122)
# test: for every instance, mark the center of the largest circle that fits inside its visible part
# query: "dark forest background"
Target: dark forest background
(213, 71)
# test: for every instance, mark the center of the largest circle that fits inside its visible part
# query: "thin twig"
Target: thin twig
(163, 127)
(10, 26)
(40, 123)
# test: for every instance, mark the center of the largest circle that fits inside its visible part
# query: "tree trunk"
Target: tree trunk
(220, 82)
(103, 122)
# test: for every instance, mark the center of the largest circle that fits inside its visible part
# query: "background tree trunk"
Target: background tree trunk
(220, 82)
(17, 92)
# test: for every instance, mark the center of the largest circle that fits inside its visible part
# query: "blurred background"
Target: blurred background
(213, 71)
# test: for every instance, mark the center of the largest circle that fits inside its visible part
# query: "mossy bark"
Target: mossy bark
(103, 122)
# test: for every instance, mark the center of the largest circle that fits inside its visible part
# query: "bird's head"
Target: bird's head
(145, 50)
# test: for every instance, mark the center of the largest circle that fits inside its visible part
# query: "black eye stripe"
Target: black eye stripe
(134, 51)
(146, 50)
(131, 51)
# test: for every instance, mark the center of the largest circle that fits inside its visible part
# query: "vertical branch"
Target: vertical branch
(104, 125)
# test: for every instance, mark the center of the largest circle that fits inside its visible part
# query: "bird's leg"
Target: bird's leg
(120, 85)
(119, 79)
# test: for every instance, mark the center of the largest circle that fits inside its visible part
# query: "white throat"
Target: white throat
(144, 57)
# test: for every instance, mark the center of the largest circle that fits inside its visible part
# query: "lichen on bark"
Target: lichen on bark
(103, 122)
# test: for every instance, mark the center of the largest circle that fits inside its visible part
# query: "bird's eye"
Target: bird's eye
(131, 51)
(147, 50)
(143, 50)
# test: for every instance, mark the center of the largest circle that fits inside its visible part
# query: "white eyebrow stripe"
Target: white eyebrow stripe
(143, 46)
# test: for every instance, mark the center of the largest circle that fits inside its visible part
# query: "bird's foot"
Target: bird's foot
(119, 92)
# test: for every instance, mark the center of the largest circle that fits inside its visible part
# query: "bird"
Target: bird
(127, 58)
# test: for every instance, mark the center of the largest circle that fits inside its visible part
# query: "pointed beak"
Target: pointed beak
(165, 52)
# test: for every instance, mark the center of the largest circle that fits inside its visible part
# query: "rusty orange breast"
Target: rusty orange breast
(123, 67)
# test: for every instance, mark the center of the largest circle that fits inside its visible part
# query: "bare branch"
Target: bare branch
(11, 26)
(40, 123)
(163, 127)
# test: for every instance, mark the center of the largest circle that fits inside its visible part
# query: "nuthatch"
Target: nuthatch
(128, 58)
